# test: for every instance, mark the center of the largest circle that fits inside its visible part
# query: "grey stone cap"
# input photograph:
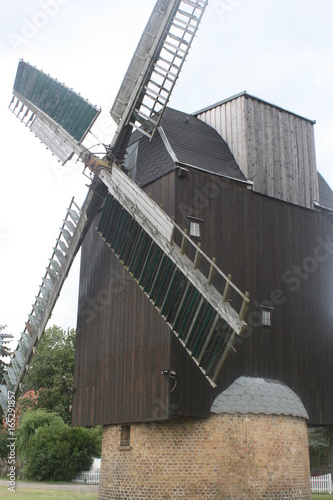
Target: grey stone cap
(258, 395)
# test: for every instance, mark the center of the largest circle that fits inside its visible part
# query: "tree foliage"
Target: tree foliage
(319, 440)
(3, 444)
(54, 451)
(52, 373)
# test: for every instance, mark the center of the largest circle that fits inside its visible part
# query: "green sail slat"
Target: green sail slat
(168, 274)
(107, 205)
(202, 332)
(159, 274)
(128, 240)
(168, 302)
(111, 222)
(196, 324)
(143, 251)
(183, 306)
(122, 232)
(190, 312)
(118, 229)
(149, 278)
(130, 248)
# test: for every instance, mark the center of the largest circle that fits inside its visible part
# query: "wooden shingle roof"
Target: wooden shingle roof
(186, 141)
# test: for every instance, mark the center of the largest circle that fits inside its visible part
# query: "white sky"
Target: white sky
(279, 50)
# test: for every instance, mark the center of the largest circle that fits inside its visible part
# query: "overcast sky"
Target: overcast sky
(279, 50)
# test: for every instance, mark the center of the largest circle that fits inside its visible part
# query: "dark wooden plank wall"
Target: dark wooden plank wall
(122, 343)
(259, 240)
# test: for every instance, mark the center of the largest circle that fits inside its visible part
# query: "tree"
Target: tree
(52, 373)
(319, 449)
(3, 444)
(52, 450)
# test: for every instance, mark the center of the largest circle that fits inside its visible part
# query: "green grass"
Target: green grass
(321, 496)
(33, 494)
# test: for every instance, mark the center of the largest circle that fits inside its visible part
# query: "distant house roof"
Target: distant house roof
(259, 396)
(183, 140)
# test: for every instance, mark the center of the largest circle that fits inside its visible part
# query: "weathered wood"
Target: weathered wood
(273, 147)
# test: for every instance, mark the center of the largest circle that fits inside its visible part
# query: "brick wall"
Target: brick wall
(225, 456)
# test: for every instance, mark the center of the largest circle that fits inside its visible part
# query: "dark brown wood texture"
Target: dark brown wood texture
(121, 345)
(281, 253)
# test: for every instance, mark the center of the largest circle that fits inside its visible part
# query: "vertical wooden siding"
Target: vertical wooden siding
(123, 344)
(283, 255)
(275, 149)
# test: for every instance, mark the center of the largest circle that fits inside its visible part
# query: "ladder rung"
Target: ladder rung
(177, 38)
(175, 47)
(156, 94)
(187, 14)
(195, 5)
(156, 101)
(185, 28)
(163, 76)
(162, 89)
(171, 64)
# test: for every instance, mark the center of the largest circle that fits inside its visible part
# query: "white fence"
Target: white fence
(90, 477)
(322, 484)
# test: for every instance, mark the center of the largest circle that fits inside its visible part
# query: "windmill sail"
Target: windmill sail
(73, 230)
(56, 114)
(136, 229)
(154, 69)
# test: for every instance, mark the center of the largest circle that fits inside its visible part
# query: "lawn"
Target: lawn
(321, 496)
(32, 494)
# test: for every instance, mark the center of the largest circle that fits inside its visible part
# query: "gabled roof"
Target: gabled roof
(183, 139)
(325, 193)
(259, 396)
(250, 96)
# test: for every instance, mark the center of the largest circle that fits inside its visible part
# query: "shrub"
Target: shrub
(53, 451)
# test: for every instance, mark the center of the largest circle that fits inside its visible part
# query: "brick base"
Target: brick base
(222, 457)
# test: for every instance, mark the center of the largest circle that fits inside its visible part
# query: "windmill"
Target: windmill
(150, 245)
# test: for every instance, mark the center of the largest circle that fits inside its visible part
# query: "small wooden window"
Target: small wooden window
(266, 317)
(195, 229)
(125, 437)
